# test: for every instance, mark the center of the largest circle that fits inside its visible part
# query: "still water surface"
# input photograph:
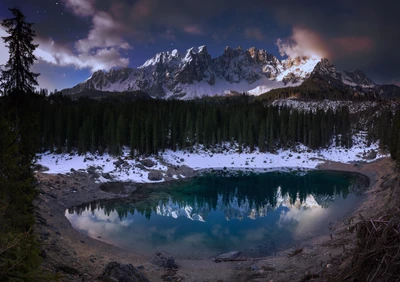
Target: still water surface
(257, 213)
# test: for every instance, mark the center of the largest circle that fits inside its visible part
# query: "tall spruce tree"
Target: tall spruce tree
(16, 75)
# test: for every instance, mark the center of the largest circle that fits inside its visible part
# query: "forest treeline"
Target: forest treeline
(151, 126)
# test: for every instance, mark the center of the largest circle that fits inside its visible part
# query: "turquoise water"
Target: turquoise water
(256, 213)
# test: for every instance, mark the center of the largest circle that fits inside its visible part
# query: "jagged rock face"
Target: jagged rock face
(195, 68)
(172, 75)
(357, 78)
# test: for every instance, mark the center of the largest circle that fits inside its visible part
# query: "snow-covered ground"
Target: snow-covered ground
(225, 156)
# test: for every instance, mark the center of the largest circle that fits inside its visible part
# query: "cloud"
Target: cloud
(81, 7)
(101, 49)
(307, 42)
(105, 33)
(3, 49)
(352, 44)
(168, 35)
(303, 42)
(193, 29)
(99, 59)
(254, 33)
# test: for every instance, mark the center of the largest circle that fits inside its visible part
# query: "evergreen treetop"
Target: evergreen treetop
(16, 74)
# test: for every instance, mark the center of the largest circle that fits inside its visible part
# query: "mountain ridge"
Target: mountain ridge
(196, 74)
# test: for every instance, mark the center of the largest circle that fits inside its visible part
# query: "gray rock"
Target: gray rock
(371, 155)
(163, 259)
(119, 162)
(41, 168)
(227, 256)
(106, 175)
(116, 272)
(91, 170)
(185, 171)
(254, 267)
(155, 175)
(147, 163)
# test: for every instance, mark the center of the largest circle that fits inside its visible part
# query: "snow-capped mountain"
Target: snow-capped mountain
(196, 74)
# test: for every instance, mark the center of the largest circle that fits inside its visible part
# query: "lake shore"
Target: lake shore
(80, 258)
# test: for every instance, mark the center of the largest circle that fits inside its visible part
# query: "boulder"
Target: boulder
(155, 175)
(40, 168)
(163, 259)
(371, 155)
(119, 162)
(185, 171)
(227, 256)
(116, 272)
(147, 163)
(91, 170)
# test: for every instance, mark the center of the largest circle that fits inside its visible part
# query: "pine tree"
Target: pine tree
(16, 75)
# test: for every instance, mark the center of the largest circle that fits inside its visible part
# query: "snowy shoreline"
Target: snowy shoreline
(225, 156)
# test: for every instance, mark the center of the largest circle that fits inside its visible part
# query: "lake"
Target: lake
(220, 211)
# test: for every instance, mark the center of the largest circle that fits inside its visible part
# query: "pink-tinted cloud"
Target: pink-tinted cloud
(254, 33)
(303, 42)
(193, 29)
(354, 44)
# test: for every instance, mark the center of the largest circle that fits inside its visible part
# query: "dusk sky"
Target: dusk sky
(77, 37)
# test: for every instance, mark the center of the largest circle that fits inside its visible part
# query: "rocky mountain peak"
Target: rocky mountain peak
(326, 68)
(194, 74)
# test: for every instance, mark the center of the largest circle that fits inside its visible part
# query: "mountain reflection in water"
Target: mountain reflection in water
(258, 213)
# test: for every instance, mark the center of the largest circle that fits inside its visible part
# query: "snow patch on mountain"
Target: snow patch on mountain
(196, 74)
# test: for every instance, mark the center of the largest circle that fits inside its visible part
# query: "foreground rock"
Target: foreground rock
(155, 175)
(147, 163)
(227, 256)
(116, 272)
(163, 259)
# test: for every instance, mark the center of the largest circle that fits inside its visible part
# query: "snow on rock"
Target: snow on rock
(354, 107)
(123, 168)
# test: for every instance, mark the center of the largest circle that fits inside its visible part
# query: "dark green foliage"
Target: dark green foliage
(19, 251)
(16, 74)
(150, 126)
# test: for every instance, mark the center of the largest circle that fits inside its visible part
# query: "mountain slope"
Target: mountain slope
(325, 82)
(196, 74)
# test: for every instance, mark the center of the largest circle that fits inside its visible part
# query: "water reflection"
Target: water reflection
(257, 213)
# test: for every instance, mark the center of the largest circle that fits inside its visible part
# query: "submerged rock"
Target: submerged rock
(115, 272)
(163, 259)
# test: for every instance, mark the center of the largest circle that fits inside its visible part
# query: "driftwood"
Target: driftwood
(377, 256)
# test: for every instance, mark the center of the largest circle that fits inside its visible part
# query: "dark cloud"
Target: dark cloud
(357, 34)
(353, 34)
